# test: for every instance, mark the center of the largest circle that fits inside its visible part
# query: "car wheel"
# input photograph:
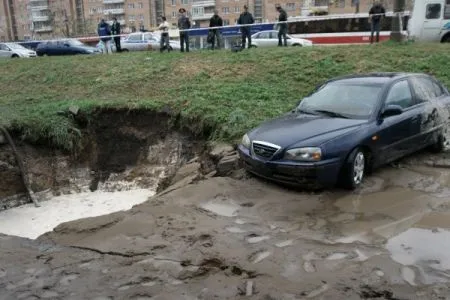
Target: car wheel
(297, 45)
(443, 142)
(124, 50)
(253, 46)
(354, 169)
(446, 39)
(15, 56)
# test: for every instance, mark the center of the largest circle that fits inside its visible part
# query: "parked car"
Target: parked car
(65, 47)
(142, 41)
(269, 38)
(14, 50)
(347, 127)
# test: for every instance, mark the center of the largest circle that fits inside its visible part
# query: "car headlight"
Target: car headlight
(246, 141)
(304, 154)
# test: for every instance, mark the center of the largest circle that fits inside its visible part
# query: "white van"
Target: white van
(430, 21)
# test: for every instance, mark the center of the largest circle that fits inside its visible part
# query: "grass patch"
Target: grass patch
(228, 92)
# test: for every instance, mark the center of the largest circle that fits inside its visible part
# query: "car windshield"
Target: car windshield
(349, 100)
(75, 43)
(15, 46)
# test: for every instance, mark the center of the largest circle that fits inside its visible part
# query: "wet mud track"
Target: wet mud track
(224, 238)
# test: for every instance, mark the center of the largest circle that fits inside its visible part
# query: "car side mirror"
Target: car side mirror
(392, 110)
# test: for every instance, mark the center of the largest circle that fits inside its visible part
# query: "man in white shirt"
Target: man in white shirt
(164, 43)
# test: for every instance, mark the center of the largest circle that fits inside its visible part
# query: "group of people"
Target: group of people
(245, 18)
(376, 14)
(105, 31)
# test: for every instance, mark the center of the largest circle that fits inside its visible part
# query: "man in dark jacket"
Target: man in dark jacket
(282, 27)
(215, 21)
(115, 29)
(105, 35)
(244, 19)
(184, 23)
(376, 15)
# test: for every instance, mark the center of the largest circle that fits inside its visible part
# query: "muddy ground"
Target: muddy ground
(241, 237)
(214, 232)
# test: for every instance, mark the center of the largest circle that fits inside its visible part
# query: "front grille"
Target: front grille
(263, 150)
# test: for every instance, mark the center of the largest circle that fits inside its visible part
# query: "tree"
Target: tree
(62, 22)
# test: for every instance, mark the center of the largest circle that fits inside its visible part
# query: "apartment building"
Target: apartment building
(14, 19)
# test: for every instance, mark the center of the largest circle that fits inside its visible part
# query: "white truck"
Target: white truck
(430, 21)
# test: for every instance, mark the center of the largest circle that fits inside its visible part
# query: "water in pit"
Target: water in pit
(30, 222)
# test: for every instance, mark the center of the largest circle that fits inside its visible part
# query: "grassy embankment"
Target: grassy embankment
(229, 92)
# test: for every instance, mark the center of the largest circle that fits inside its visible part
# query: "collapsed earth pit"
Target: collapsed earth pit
(124, 158)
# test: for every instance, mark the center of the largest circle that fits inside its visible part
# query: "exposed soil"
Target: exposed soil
(213, 232)
(131, 149)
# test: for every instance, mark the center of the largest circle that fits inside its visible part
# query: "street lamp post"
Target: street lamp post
(396, 31)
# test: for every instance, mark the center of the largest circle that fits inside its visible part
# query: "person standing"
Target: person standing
(215, 21)
(104, 33)
(282, 27)
(244, 19)
(115, 29)
(376, 14)
(355, 3)
(164, 43)
(184, 23)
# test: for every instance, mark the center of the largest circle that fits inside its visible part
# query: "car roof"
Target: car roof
(377, 78)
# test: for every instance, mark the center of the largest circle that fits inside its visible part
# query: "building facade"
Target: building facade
(36, 19)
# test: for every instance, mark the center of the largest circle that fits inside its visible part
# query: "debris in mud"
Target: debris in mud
(259, 256)
(227, 165)
(227, 209)
(368, 292)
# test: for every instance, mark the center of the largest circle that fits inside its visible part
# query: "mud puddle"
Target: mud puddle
(423, 250)
(30, 222)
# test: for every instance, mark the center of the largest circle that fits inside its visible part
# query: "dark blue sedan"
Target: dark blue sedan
(64, 47)
(347, 127)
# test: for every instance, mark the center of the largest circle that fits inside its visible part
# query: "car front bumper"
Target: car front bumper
(317, 174)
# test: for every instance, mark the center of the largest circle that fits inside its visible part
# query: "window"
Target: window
(290, 6)
(225, 10)
(198, 11)
(185, 2)
(237, 9)
(174, 14)
(140, 5)
(433, 11)
(131, 18)
(426, 89)
(134, 37)
(321, 3)
(340, 4)
(3, 47)
(226, 22)
(447, 10)
(131, 5)
(141, 17)
(174, 2)
(264, 35)
(400, 94)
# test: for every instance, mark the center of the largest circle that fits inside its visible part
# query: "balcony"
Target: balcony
(115, 11)
(113, 1)
(202, 17)
(39, 7)
(40, 18)
(207, 3)
(43, 29)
